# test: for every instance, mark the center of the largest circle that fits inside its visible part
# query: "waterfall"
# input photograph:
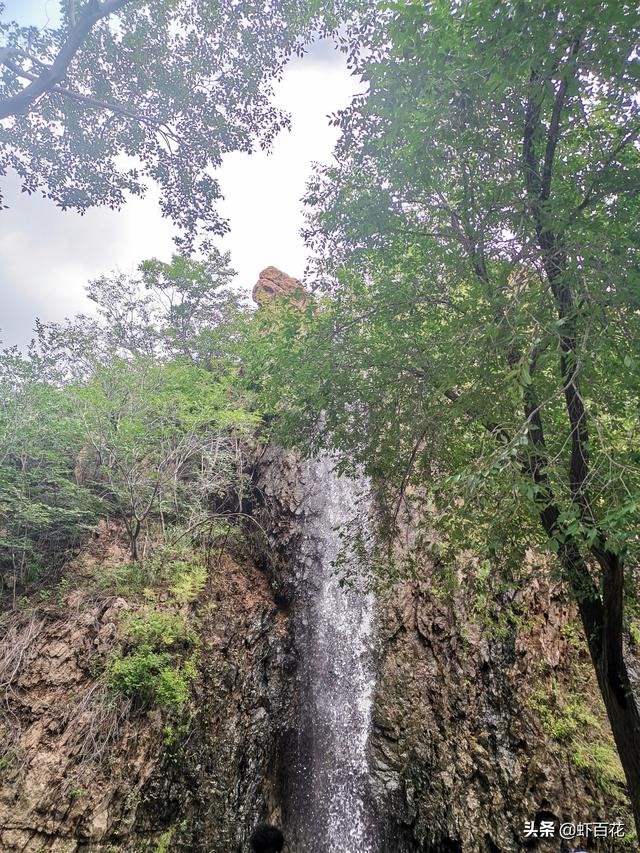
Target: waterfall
(330, 804)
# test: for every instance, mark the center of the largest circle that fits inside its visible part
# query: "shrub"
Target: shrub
(187, 580)
(158, 629)
(182, 573)
(150, 678)
(153, 672)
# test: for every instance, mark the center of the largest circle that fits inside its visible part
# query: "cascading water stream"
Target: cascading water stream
(330, 802)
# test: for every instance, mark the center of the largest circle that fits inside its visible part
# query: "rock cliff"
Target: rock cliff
(477, 728)
(81, 771)
(475, 735)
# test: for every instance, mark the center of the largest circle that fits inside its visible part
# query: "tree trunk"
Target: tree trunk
(619, 701)
(133, 535)
(600, 609)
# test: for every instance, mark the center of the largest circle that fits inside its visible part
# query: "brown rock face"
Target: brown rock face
(476, 733)
(479, 724)
(81, 771)
(73, 765)
(273, 283)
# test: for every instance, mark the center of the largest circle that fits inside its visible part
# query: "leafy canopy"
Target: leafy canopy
(118, 93)
(442, 336)
(477, 350)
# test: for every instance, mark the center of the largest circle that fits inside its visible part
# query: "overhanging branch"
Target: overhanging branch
(52, 75)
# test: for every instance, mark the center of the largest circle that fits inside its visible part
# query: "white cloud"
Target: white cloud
(47, 255)
(263, 192)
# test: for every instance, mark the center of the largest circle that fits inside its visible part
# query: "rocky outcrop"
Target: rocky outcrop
(74, 762)
(273, 283)
(223, 775)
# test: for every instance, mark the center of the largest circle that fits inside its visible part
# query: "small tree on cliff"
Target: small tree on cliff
(181, 309)
(164, 441)
(152, 393)
(480, 238)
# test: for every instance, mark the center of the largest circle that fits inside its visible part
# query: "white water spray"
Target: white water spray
(331, 804)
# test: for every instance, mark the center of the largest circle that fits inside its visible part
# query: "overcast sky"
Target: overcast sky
(47, 255)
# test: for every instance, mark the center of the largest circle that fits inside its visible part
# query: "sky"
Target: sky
(48, 255)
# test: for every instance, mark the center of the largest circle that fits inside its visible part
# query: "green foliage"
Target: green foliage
(600, 760)
(434, 352)
(173, 734)
(563, 714)
(161, 436)
(135, 85)
(150, 677)
(474, 343)
(187, 580)
(135, 414)
(567, 717)
(196, 310)
(44, 513)
(179, 573)
(156, 628)
(184, 308)
(125, 578)
(75, 793)
(163, 844)
(153, 669)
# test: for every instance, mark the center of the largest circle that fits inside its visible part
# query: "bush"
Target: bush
(150, 678)
(153, 672)
(158, 629)
(187, 580)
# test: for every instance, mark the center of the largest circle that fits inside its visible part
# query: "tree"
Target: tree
(194, 306)
(162, 441)
(44, 513)
(134, 413)
(182, 308)
(121, 92)
(153, 391)
(478, 243)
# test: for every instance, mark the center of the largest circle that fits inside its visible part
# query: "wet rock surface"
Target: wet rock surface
(470, 734)
(467, 744)
(221, 776)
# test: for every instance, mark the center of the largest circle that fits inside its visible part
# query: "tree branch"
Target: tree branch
(531, 126)
(628, 138)
(96, 103)
(22, 102)
(554, 129)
